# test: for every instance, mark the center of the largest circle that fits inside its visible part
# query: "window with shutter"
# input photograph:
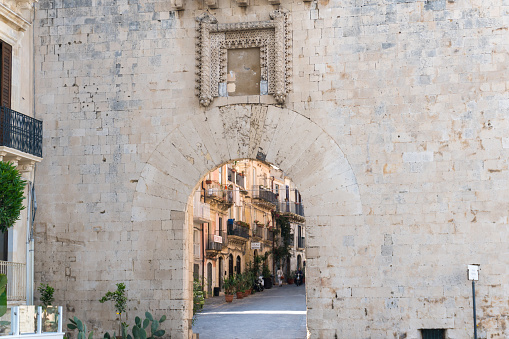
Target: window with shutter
(5, 77)
(5, 89)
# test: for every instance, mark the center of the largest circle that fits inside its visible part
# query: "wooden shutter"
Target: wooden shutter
(5, 79)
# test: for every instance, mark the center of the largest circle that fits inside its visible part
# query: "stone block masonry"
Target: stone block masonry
(394, 131)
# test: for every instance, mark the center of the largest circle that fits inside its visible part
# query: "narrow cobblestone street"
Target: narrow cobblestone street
(274, 313)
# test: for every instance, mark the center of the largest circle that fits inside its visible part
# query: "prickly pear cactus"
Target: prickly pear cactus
(148, 329)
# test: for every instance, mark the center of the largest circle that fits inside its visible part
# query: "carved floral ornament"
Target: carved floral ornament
(214, 40)
(179, 4)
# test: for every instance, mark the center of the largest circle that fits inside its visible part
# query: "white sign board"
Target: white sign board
(255, 246)
(218, 238)
(473, 272)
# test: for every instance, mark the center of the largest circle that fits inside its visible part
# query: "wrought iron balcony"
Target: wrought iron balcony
(265, 196)
(259, 232)
(215, 243)
(292, 208)
(270, 235)
(237, 230)
(20, 132)
(219, 194)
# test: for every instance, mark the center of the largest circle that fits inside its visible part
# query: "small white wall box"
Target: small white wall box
(473, 272)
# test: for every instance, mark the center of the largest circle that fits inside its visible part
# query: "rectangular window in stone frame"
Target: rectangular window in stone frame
(243, 72)
(433, 333)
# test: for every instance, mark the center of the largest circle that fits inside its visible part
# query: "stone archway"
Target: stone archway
(280, 136)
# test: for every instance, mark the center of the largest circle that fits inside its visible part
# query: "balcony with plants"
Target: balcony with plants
(219, 194)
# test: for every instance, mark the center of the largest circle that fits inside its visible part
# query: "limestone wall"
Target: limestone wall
(394, 132)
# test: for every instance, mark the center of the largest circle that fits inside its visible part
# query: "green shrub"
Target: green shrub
(46, 292)
(12, 187)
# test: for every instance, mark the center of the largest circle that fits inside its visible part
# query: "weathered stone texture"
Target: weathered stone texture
(394, 132)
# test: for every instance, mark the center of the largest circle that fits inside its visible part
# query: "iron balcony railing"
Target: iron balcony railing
(240, 231)
(301, 242)
(224, 237)
(16, 279)
(270, 235)
(262, 193)
(20, 132)
(215, 242)
(291, 207)
(259, 232)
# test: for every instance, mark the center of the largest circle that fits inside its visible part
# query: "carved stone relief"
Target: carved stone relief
(214, 40)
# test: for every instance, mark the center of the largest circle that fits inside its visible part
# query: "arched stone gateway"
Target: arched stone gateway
(280, 136)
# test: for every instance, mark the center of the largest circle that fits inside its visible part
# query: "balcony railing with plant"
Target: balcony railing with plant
(20, 132)
(216, 191)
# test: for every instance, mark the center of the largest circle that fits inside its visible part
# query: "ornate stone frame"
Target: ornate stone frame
(271, 36)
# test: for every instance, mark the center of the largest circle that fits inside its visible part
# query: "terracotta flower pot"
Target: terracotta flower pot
(228, 298)
(246, 293)
(240, 295)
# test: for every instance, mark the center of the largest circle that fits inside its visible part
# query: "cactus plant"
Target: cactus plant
(148, 329)
(82, 328)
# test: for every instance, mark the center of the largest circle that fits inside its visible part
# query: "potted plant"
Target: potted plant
(239, 286)
(247, 283)
(250, 277)
(267, 279)
(291, 277)
(229, 287)
(49, 316)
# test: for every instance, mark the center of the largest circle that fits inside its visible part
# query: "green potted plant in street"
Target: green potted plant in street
(249, 281)
(49, 314)
(291, 277)
(239, 286)
(229, 288)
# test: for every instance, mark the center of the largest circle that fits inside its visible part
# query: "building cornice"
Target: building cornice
(13, 19)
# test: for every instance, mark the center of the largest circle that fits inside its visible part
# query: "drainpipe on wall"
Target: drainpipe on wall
(31, 217)
(28, 260)
(203, 256)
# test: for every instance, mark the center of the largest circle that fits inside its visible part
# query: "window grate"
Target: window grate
(433, 333)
